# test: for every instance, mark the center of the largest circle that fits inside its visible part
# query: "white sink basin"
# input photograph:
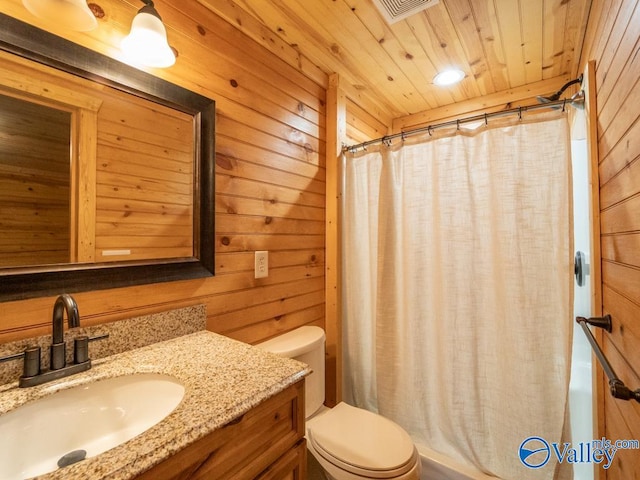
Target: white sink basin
(94, 417)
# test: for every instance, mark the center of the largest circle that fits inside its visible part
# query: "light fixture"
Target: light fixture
(448, 77)
(72, 14)
(147, 43)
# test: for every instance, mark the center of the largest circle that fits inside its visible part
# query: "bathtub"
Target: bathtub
(581, 408)
(436, 466)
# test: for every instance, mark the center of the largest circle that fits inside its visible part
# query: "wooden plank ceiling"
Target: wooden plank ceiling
(499, 44)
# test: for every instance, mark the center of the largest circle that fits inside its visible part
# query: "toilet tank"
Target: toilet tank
(305, 344)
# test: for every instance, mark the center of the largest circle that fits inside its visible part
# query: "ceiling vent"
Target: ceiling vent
(395, 10)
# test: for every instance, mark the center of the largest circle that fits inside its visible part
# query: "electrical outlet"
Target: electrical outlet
(261, 268)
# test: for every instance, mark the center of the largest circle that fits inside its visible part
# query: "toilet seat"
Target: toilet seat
(362, 443)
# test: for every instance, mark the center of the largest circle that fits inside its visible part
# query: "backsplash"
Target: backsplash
(123, 335)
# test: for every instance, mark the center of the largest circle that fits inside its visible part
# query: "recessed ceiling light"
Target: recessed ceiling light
(448, 77)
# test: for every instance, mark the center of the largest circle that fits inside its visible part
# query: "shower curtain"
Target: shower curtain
(458, 288)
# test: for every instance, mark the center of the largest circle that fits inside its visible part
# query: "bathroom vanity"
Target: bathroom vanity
(266, 443)
(241, 417)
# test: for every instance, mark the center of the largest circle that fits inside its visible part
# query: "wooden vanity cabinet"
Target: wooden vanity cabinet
(266, 443)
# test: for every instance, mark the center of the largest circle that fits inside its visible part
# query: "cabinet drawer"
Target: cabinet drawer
(243, 448)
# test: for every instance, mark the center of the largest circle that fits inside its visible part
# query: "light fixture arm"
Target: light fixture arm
(149, 8)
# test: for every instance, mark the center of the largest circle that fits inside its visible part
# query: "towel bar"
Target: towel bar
(616, 386)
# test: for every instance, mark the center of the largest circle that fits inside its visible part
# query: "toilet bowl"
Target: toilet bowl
(349, 443)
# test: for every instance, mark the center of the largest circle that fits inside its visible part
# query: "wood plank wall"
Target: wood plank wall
(362, 125)
(270, 174)
(613, 41)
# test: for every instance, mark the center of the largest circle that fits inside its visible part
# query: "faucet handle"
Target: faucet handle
(31, 362)
(81, 347)
(31, 365)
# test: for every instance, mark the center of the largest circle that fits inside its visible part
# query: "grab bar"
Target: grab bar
(616, 386)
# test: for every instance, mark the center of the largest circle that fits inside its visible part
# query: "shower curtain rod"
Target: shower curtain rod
(484, 116)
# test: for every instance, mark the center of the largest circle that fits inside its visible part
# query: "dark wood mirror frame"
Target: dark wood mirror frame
(40, 46)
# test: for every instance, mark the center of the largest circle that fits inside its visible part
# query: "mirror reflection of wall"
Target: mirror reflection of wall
(89, 173)
(34, 183)
(144, 180)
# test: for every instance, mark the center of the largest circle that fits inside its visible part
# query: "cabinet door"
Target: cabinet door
(290, 466)
(246, 447)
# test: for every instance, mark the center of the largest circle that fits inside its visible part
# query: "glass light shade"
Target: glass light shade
(72, 14)
(147, 43)
(448, 77)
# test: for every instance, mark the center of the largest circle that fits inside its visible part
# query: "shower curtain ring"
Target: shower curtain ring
(402, 136)
(564, 104)
(486, 119)
(520, 113)
(458, 124)
(429, 131)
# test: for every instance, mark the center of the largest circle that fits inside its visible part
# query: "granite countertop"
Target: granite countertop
(223, 379)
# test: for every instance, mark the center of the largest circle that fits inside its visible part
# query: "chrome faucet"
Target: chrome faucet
(64, 302)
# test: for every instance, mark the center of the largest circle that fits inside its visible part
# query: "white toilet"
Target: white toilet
(348, 442)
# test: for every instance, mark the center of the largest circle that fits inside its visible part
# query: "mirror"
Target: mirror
(108, 266)
(35, 184)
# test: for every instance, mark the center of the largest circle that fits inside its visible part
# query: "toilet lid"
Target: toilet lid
(362, 442)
